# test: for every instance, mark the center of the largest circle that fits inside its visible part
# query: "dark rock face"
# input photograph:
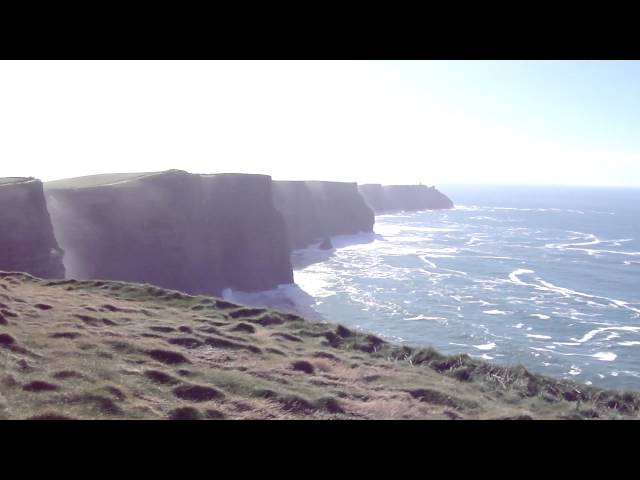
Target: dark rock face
(27, 243)
(403, 197)
(194, 233)
(374, 195)
(326, 244)
(314, 210)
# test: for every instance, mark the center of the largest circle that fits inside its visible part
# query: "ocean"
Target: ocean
(546, 277)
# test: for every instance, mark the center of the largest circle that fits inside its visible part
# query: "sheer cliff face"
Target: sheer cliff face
(404, 197)
(316, 210)
(194, 233)
(27, 243)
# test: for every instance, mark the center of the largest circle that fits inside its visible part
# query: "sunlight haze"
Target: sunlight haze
(435, 122)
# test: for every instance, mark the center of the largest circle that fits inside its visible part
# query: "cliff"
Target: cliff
(194, 233)
(27, 243)
(316, 210)
(403, 197)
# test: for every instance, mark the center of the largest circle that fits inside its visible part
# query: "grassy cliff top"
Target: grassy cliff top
(15, 180)
(106, 350)
(99, 180)
(113, 179)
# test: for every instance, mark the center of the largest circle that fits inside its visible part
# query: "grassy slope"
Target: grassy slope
(111, 350)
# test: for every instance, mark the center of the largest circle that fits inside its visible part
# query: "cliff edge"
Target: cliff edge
(27, 243)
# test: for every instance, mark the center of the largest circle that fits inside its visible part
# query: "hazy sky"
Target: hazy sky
(433, 122)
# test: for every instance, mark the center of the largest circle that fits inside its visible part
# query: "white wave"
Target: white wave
(574, 370)
(488, 346)
(438, 252)
(495, 312)
(515, 275)
(484, 356)
(468, 208)
(591, 251)
(517, 209)
(629, 344)
(589, 335)
(592, 240)
(605, 356)
(494, 257)
(540, 316)
(485, 218)
(428, 262)
(475, 239)
(314, 283)
(453, 271)
(566, 292)
(430, 229)
(482, 303)
(424, 317)
(541, 337)
(289, 298)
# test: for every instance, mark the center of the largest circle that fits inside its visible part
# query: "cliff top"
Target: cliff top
(99, 180)
(16, 180)
(105, 350)
(111, 179)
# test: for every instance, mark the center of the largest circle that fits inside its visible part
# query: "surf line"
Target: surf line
(566, 292)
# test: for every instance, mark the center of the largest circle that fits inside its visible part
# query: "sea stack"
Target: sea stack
(194, 233)
(389, 198)
(315, 210)
(27, 243)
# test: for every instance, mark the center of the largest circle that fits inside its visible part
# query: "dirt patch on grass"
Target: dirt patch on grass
(40, 386)
(161, 377)
(303, 366)
(167, 356)
(197, 393)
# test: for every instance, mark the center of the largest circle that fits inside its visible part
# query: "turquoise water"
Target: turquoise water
(543, 276)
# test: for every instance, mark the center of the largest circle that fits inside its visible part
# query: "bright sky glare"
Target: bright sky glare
(435, 122)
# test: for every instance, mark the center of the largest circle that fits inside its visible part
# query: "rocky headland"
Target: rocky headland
(390, 198)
